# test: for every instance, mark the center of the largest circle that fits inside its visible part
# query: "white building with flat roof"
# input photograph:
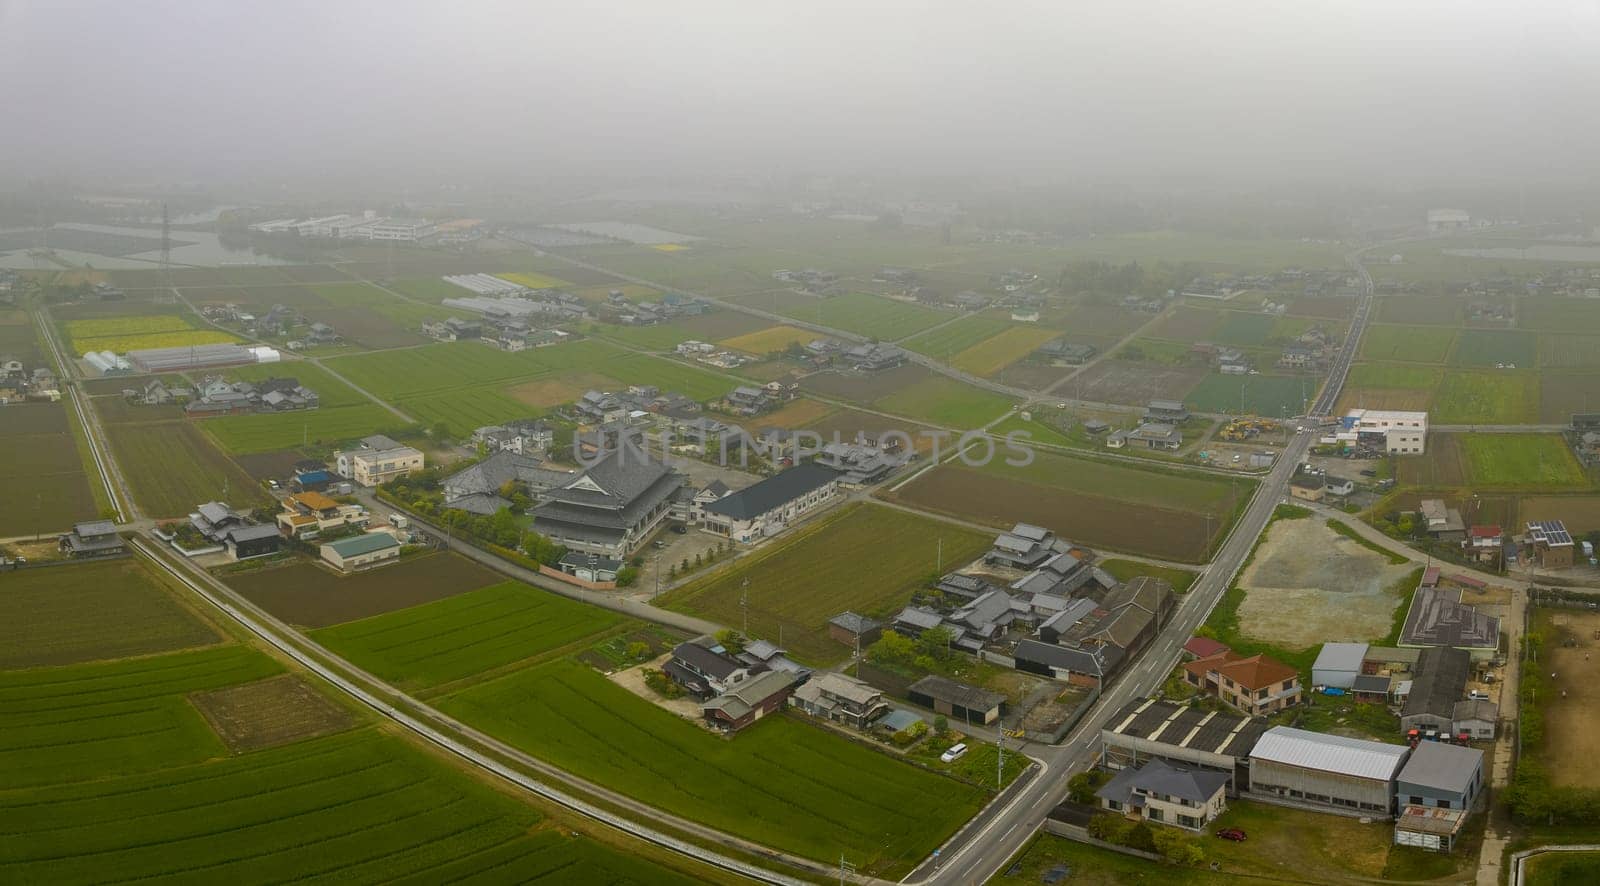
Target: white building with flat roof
(1395, 432)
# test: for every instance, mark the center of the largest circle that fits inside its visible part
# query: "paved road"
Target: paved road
(116, 485)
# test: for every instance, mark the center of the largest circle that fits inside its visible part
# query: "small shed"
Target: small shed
(852, 628)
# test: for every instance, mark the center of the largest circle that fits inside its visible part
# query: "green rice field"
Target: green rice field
(1490, 348)
(868, 315)
(467, 634)
(944, 401)
(782, 783)
(1493, 397)
(947, 341)
(1407, 344)
(268, 432)
(1270, 396)
(1521, 460)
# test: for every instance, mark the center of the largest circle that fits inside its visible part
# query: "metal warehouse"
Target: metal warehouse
(1343, 774)
(192, 357)
(1216, 740)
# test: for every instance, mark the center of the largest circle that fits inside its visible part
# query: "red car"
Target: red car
(1233, 834)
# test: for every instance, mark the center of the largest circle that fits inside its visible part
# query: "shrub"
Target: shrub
(626, 576)
(1081, 787)
(661, 684)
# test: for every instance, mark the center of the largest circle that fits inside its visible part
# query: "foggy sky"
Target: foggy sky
(1389, 89)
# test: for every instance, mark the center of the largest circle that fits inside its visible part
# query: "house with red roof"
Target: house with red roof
(1256, 685)
(1203, 647)
(1485, 544)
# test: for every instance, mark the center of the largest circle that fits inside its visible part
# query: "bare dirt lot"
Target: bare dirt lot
(308, 595)
(1571, 742)
(1123, 381)
(1310, 585)
(268, 713)
(1329, 306)
(1032, 374)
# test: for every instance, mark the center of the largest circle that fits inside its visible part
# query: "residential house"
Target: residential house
(322, 334)
(453, 329)
(306, 514)
(360, 551)
(1202, 647)
(858, 464)
(1156, 435)
(1158, 791)
(1389, 431)
(1297, 356)
(1061, 352)
(1551, 544)
(599, 407)
(874, 357)
(96, 538)
(1065, 573)
(749, 701)
(589, 568)
(840, 699)
(747, 401)
(704, 668)
(1338, 486)
(1444, 523)
(1026, 546)
(769, 506)
(523, 437)
(376, 460)
(1166, 411)
(221, 525)
(1256, 685)
(1485, 544)
(612, 507)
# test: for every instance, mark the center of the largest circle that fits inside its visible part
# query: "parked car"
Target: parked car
(1233, 834)
(679, 528)
(1369, 473)
(956, 752)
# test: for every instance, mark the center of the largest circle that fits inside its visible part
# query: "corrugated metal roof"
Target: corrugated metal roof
(1340, 657)
(1329, 753)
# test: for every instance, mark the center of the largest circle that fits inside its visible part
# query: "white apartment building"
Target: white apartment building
(401, 230)
(377, 460)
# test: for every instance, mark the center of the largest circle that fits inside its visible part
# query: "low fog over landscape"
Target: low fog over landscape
(883, 443)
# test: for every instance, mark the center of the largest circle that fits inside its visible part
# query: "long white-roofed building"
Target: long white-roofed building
(1350, 775)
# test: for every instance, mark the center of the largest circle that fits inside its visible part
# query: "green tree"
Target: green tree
(440, 430)
(935, 642)
(1081, 787)
(892, 648)
(638, 650)
(626, 576)
(731, 640)
(1109, 827)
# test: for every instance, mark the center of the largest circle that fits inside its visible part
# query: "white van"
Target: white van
(955, 753)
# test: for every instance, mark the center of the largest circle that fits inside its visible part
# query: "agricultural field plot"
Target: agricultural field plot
(309, 596)
(545, 393)
(123, 334)
(264, 297)
(269, 432)
(1569, 351)
(947, 341)
(1580, 513)
(370, 326)
(867, 558)
(352, 295)
(1110, 321)
(1397, 376)
(1407, 344)
(1134, 383)
(437, 368)
(864, 387)
(1570, 743)
(669, 375)
(633, 291)
(90, 612)
(783, 783)
(428, 288)
(798, 413)
(379, 810)
(1490, 398)
(868, 315)
(1168, 531)
(1421, 310)
(311, 273)
(1383, 398)
(721, 324)
(1127, 570)
(1523, 461)
(17, 337)
(1559, 315)
(534, 280)
(269, 713)
(1270, 396)
(1563, 868)
(1245, 330)
(946, 402)
(845, 425)
(1032, 374)
(331, 392)
(1562, 394)
(661, 337)
(43, 481)
(997, 352)
(463, 411)
(1186, 324)
(411, 315)
(171, 468)
(277, 464)
(88, 721)
(766, 341)
(1492, 348)
(1308, 584)
(1325, 307)
(467, 634)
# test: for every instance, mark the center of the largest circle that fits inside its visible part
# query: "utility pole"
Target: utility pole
(1000, 753)
(938, 561)
(744, 605)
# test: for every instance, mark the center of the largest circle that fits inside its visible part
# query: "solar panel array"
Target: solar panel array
(1552, 532)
